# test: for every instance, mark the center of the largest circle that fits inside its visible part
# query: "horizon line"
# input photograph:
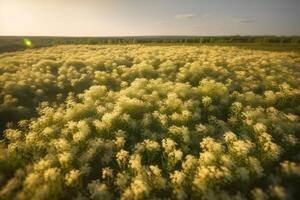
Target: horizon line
(128, 36)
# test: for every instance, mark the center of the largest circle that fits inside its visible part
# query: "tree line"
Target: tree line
(13, 43)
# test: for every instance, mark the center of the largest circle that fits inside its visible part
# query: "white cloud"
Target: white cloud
(185, 16)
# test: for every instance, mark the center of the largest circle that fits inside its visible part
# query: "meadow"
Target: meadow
(149, 122)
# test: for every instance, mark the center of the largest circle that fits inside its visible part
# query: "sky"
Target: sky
(149, 17)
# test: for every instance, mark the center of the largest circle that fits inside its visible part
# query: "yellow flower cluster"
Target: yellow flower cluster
(149, 122)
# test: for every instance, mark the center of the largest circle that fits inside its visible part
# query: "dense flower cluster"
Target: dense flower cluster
(148, 122)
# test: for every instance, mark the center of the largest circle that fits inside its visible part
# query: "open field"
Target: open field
(266, 43)
(263, 47)
(150, 122)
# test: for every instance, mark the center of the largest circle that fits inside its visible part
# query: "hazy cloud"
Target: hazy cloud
(246, 21)
(197, 26)
(205, 16)
(185, 16)
(161, 23)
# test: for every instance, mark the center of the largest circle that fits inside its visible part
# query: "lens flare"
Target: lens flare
(27, 42)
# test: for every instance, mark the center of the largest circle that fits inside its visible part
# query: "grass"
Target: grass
(265, 47)
(275, 47)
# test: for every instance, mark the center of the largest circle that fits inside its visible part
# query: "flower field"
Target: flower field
(149, 122)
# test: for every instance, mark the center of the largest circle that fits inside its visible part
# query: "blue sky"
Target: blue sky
(151, 17)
